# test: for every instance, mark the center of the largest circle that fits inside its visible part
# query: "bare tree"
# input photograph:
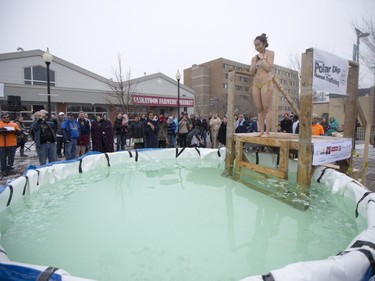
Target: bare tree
(367, 52)
(295, 64)
(122, 88)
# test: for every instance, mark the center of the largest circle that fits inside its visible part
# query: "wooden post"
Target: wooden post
(346, 166)
(365, 152)
(366, 120)
(304, 170)
(230, 150)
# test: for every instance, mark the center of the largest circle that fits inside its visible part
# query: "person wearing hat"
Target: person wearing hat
(8, 142)
(316, 128)
(59, 135)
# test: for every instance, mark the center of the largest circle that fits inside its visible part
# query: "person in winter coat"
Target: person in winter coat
(8, 143)
(107, 134)
(171, 131)
(163, 135)
(286, 124)
(121, 126)
(22, 137)
(151, 131)
(183, 130)
(222, 135)
(241, 125)
(84, 136)
(215, 123)
(71, 131)
(96, 134)
(333, 126)
(136, 132)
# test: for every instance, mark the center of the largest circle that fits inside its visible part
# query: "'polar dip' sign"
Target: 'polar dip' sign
(330, 73)
(161, 101)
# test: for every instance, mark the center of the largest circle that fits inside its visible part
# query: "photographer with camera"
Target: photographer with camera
(8, 143)
(22, 137)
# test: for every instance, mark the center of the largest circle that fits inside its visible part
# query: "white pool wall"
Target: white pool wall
(352, 264)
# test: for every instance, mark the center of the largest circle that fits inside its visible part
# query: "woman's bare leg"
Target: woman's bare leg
(266, 95)
(258, 103)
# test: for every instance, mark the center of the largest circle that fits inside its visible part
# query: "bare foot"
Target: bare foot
(259, 134)
(265, 135)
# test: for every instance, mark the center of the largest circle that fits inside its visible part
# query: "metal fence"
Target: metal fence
(360, 134)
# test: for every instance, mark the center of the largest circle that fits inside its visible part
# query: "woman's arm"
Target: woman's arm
(253, 65)
(267, 60)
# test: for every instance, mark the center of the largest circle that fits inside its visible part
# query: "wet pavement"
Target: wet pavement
(22, 163)
(358, 163)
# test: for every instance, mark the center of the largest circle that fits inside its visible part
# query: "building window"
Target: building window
(91, 110)
(244, 79)
(37, 75)
(225, 66)
(225, 85)
(238, 88)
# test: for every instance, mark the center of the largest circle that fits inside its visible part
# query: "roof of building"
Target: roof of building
(162, 76)
(361, 93)
(39, 53)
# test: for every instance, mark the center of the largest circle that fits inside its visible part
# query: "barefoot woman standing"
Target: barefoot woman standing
(261, 68)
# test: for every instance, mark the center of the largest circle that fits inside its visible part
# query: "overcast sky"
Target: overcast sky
(165, 35)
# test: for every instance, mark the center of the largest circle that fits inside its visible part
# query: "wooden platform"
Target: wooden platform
(284, 141)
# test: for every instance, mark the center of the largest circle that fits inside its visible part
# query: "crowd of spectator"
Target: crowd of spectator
(70, 136)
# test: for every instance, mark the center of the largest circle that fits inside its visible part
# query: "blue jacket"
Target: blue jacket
(70, 129)
(172, 128)
(242, 127)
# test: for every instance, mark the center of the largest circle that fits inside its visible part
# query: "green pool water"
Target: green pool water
(168, 221)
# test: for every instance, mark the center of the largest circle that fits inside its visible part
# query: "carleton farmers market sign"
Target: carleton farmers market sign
(161, 101)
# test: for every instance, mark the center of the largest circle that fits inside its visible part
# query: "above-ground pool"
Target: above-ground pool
(151, 216)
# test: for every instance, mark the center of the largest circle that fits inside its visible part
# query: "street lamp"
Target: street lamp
(360, 34)
(178, 78)
(48, 59)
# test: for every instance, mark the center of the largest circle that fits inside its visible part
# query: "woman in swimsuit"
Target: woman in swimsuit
(261, 68)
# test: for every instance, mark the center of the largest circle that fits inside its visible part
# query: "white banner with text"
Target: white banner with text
(329, 151)
(330, 73)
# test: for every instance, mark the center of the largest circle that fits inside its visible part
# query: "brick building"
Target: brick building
(209, 80)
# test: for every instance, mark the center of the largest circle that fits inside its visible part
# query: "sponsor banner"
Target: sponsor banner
(330, 73)
(161, 101)
(329, 151)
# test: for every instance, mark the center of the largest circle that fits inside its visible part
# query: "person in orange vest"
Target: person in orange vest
(8, 143)
(316, 128)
